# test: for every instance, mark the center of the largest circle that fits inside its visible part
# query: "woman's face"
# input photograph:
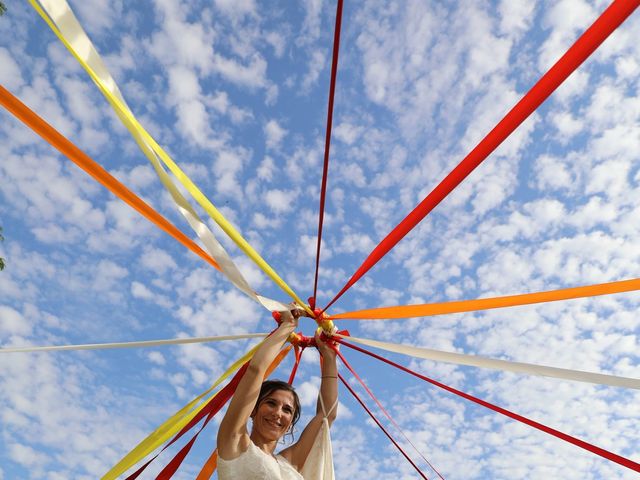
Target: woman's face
(274, 415)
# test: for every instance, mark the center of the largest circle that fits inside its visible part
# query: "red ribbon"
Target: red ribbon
(327, 141)
(213, 406)
(625, 462)
(297, 350)
(373, 417)
(610, 19)
(384, 410)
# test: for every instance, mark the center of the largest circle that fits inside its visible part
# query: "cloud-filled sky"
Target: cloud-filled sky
(236, 92)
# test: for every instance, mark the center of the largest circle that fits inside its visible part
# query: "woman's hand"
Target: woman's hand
(326, 348)
(289, 319)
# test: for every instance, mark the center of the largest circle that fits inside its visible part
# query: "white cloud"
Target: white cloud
(266, 169)
(252, 74)
(183, 84)
(516, 16)
(262, 222)
(180, 41)
(10, 75)
(308, 392)
(312, 20)
(157, 260)
(552, 173)
(138, 290)
(27, 456)
(224, 313)
(124, 228)
(627, 68)
(228, 165)
(12, 322)
(277, 41)
(279, 201)
(157, 358)
(566, 19)
(315, 66)
(235, 8)
(347, 132)
(567, 125)
(107, 274)
(352, 242)
(274, 133)
(97, 16)
(138, 178)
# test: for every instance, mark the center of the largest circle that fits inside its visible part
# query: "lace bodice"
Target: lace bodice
(255, 464)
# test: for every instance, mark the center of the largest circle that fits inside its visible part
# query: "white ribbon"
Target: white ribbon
(484, 362)
(62, 16)
(145, 343)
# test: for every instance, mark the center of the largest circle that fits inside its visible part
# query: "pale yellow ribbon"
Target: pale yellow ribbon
(60, 10)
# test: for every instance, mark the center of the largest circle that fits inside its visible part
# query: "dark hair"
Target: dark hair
(270, 386)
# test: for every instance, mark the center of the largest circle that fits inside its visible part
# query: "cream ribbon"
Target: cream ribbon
(144, 343)
(65, 21)
(484, 362)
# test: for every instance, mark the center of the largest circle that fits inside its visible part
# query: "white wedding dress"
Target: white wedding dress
(255, 464)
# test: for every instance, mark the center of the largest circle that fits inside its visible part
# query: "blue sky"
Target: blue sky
(236, 92)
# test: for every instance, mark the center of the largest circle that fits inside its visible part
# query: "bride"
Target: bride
(274, 408)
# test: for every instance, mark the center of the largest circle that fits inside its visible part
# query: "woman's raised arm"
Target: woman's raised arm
(233, 427)
(298, 452)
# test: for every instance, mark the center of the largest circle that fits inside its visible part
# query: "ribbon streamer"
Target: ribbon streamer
(209, 467)
(504, 365)
(298, 356)
(620, 460)
(591, 39)
(174, 424)
(61, 15)
(373, 417)
(327, 141)
(386, 413)
(62, 11)
(144, 343)
(428, 309)
(82, 160)
(212, 407)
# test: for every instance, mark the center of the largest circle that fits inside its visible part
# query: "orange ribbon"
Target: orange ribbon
(81, 159)
(427, 309)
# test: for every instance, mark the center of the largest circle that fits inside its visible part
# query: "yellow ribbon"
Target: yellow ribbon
(173, 425)
(133, 125)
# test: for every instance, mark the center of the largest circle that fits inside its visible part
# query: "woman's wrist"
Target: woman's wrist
(328, 354)
(287, 327)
